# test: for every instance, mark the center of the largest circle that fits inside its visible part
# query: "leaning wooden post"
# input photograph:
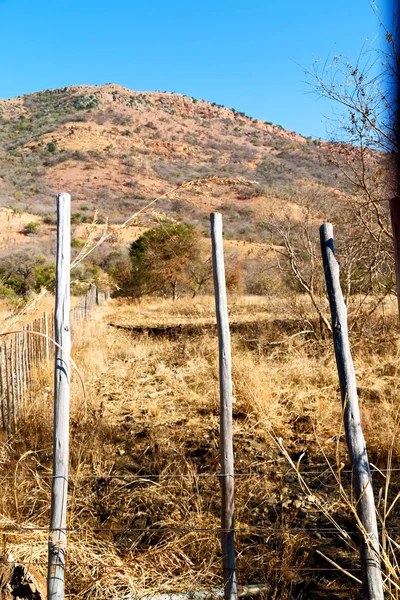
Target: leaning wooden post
(364, 496)
(225, 382)
(58, 518)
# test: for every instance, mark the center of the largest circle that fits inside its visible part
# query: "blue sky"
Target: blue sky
(243, 54)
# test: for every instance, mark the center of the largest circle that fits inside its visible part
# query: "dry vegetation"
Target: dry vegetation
(114, 149)
(144, 490)
(143, 509)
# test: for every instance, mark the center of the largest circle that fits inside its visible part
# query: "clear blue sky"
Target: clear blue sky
(242, 54)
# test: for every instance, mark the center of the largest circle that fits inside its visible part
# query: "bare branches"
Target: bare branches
(364, 149)
(299, 250)
(364, 94)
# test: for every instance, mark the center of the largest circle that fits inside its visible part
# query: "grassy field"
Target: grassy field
(144, 496)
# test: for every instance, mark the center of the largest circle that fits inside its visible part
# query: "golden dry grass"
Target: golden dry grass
(153, 412)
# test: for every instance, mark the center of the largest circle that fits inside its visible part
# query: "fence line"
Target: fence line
(23, 354)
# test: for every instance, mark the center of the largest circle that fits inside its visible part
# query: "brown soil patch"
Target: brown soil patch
(11, 229)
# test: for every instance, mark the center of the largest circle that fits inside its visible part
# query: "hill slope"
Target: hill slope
(114, 149)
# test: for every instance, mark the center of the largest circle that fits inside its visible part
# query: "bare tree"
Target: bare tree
(364, 143)
(298, 257)
(365, 267)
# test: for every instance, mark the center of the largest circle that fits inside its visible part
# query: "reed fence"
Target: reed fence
(23, 353)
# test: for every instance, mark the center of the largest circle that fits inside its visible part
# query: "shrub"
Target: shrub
(31, 228)
(26, 270)
(75, 243)
(7, 292)
(52, 146)
(166, 260)
(76, 218)
(82, 275)
(50, 219)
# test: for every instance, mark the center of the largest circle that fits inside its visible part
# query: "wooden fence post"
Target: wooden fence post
(225, 382)
(364, 496)
(58, 519)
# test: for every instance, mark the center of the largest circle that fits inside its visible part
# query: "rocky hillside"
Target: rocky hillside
(114, 149)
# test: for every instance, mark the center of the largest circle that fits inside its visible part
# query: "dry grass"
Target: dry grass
(153, 413)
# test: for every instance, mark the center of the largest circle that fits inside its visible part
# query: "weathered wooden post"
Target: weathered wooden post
(363, 492)
(58, 518)
(225, 382)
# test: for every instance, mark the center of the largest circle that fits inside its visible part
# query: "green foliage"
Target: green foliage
(85, 102)
(76, 218)
(7, 292)
(31, 228)
(75, 243)
(45, 277)
(51, 147)
(165, 260)
(118, 266)
(82, 275)
(26, 270)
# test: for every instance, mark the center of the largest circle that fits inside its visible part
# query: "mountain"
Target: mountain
(114, 149)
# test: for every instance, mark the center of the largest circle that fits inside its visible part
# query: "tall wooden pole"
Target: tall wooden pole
(58, 519)
(225, 382)
(364, 496)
